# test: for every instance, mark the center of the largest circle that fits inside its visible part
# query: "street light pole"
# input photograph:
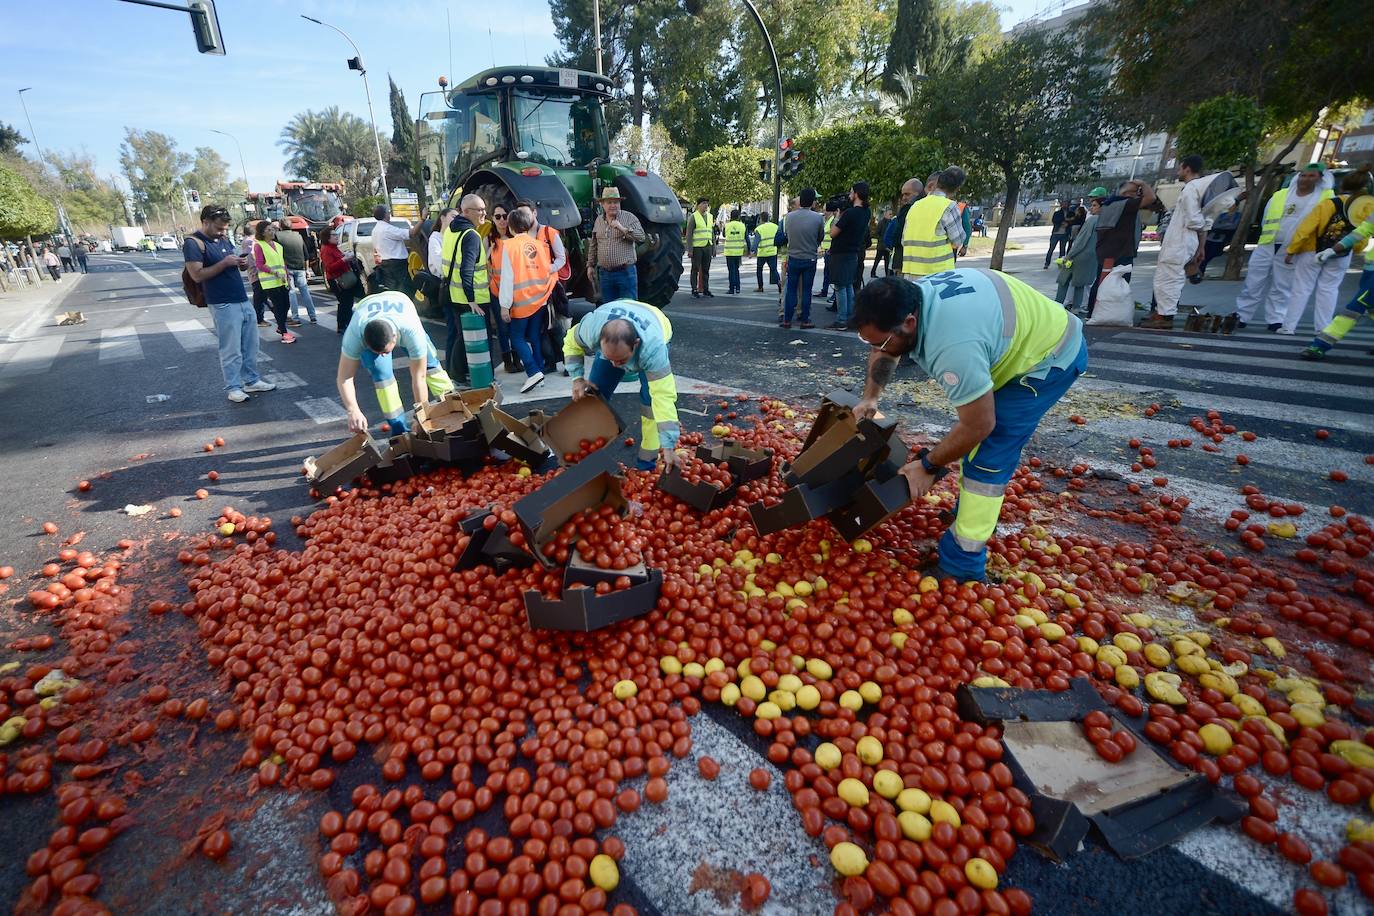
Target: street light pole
(381, 163)
(596, 32)
(225, 133)
(777, 121)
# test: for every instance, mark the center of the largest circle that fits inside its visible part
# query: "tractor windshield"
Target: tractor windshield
(315, 204)
(561, 129)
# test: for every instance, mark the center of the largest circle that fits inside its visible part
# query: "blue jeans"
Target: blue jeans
(825, 276)
(843, 267)
(732, 269)
(300, 292)
(1019, 406)
(801, 273)
(619, 284)
(604, 377)
(236, 326)
(525, 334)
(772, 261)
(379, 367)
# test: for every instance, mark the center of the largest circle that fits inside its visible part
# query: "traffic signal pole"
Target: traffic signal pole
(777, 121)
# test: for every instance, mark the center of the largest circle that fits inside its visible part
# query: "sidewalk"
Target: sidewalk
(22, 310)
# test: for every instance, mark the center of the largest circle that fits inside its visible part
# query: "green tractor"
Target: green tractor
(539, 133)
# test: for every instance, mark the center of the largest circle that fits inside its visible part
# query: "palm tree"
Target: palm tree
(330, 145)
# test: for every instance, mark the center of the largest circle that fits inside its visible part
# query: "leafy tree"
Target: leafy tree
(332, 145)
(22, 211)
(92, 202)
(10, 139)
(726, 174)
(209, 174)
(629, 35)
(914, 36)
(1036, 108)
(153, 166)
(401, 170)
(653, 149)
(879, 151)
(1297, 61)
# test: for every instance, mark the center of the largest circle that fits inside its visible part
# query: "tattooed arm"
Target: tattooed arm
(880, 369)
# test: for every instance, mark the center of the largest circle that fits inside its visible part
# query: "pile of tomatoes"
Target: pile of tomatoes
(584, 448)
(696, 471)
(1110, 746)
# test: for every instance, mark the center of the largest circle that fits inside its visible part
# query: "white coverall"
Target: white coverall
(1268, 279)
(1180, 244)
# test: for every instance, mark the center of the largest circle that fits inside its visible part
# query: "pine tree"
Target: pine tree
(914, 37)
(401, 169)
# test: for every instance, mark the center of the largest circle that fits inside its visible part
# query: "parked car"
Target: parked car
(355, 238)
(167, 243)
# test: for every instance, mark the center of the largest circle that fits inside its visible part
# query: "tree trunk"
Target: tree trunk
(1004, 227)
(637, 99)
(1256, 197)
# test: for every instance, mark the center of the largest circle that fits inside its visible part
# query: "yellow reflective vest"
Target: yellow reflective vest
(1273, 212)
(825, 234)
(275, 276)
(481, 277)
(734, 238)
(925, 247)
(701, 229)
(768, 239)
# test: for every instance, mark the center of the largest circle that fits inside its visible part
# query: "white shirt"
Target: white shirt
(389, 242)
(560, 254)
(1295, 208)
(436, 253)
(1188, 217)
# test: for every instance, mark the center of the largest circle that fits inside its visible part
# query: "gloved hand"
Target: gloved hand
(1068, 265)
(1326, 255)
(1059, 262)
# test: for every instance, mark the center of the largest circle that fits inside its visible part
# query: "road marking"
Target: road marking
(172, 297)
(32, 356)
(1257, 362)
(192, 335)
(1283, 344)
(1202, 400)
(284, 379)
(120, 344)
(323, 410)
(1176, 372)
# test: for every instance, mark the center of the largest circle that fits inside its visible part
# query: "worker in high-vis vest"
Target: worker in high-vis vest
(768, 249)
(832, 212)
(465, 271)
(270, 265)
(1268, 279)
(701, 237)
(734, 249)
(934, 230)
(1004, 354)
(381, 323)
(527, 280)
(1361, 306)
(629, 336)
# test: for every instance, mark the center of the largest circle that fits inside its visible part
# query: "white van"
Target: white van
(167, 243)
(355, 238)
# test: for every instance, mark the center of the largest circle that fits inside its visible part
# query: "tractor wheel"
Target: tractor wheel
(660, 265)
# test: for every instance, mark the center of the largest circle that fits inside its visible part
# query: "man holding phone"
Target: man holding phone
(212, 262)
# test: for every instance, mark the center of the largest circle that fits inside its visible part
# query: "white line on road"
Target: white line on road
(120, 344)
(1175, 373)
(1242, 362)
(284, 379)
(323, 410)
(192, 335)
(32, 356)
(1202, 400)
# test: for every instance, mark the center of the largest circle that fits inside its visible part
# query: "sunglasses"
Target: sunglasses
(220, 213)
(498, 216)
(882, 347)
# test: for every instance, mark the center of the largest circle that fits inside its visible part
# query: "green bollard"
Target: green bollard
(478, 349)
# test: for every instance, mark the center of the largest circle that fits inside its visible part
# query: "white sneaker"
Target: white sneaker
(260, 385)
(237, 396)
(531, 382)
(1285, 331)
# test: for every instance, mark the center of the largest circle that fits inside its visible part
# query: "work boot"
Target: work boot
(1274, 326)
(1157, 322)
(1314, 353)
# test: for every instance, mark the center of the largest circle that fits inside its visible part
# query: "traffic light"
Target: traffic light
(195, 198)
(205, 23)
(789, 158)
(765, 171)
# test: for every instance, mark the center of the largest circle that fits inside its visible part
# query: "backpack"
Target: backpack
(195, 294)
(1336, 228)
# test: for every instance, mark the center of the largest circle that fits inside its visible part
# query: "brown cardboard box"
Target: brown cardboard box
(703, 497)
(745, 463)
(805, 502)
(582, 610)
(589, 418)
(450, 429)
(838, 442)
(514, 437)
(343, 463)
(544, 511)
(579, 570)
(397, 462)
(886, 494)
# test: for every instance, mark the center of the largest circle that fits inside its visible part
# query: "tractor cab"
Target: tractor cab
(539, 134)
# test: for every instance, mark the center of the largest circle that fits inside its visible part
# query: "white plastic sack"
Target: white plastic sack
(1115, 306)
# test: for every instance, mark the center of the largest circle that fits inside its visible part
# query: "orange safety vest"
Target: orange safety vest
(494, 263)
(532, 277)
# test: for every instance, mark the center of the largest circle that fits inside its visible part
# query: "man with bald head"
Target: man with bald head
(464, 265)
(912, 190)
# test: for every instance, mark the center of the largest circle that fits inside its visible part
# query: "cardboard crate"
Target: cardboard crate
(544, 511)
(589, 418)
(451, 429)
(514, 437)
(703, 497)
(879, 498)
(490, 546)
(343, 463)
(839, 442)
(582, 610)
(804, 502)
(579, 570)
(397, 462)
(745, 463)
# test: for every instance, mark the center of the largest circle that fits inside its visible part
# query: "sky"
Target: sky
(97, 66)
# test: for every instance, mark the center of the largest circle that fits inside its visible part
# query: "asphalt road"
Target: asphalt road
(128, 399)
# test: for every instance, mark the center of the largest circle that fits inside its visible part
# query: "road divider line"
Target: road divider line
(1323, 388)
(120, 344)
(192, 335)
(1204, 401)
(322, 410)
(1292, 364)
(34, 356)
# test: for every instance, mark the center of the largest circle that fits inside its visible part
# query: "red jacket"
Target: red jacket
(335, 264)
